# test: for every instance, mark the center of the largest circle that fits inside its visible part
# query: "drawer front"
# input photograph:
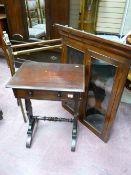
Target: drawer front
(43, 95)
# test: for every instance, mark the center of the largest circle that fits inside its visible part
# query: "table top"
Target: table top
(49, 76)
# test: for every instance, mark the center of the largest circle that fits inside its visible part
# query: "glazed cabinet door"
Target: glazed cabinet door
(107, 65)
(104, 84)
(105, 80)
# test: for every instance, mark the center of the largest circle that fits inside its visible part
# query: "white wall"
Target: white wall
(110, 16)
(74, 13)
(127, 19)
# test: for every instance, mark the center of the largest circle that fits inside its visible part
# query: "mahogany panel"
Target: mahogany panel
(3, 26)
(17, 19)
(56, 11)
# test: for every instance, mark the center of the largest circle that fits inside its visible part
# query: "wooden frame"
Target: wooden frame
(111, 52)
(88, 15)
(110, 112)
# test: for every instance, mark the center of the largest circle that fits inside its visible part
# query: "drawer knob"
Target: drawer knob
(59, 94)
(30, 93)
(70, 95)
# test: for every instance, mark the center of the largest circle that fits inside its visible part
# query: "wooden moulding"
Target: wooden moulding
(89, 40)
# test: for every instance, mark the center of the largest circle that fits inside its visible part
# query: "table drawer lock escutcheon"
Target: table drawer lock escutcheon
(70, 95)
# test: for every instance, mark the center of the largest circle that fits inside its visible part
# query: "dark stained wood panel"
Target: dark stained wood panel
(57, 11)
(16, 15)
(3, 26)
(1, 1)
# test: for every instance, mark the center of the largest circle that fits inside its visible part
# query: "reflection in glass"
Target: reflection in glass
(100, 87)
(74, 56)
(35, 10)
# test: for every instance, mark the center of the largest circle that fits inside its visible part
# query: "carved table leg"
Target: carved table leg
(32, 122)
(74, 130)
(1, 115)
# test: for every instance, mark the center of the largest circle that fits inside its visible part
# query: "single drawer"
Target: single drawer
(44, 95)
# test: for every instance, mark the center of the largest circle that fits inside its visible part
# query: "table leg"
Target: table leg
(31, 122)
(1, 115)
(30, 132)
(74, 135)
(74, 130)
(28, 108)
(22, 109)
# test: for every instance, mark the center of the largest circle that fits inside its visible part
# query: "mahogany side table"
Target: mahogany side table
(49, 81)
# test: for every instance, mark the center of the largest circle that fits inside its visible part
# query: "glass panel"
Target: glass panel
(35, 10)
(100, 87)
(74, 56)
